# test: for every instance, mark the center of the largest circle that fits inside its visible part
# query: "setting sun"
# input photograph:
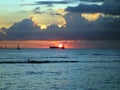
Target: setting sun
(60, 45)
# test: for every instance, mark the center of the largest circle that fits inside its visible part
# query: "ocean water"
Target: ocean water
(56, 69)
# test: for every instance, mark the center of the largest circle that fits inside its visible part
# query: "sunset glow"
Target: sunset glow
(45, 20)
(38, 44)
(43, 23)
(91, 16)
(60, 45)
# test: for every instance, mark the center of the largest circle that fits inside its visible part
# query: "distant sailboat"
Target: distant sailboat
(18, 47)
(1, 47)
(5, 47)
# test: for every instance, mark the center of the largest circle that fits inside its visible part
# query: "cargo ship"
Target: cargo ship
(60, 46)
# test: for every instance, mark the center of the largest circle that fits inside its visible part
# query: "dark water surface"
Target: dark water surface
(54, 69)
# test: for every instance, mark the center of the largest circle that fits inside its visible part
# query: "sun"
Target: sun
(60, 45)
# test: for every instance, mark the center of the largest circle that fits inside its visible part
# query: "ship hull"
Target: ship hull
(53, 47)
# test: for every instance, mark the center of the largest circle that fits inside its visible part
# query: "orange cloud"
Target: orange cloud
(61, 11)
(91, 16)
(45, 20)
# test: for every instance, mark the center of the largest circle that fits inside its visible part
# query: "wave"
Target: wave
(36, 62)
(40, 62)
(56, 57)
(106, 54)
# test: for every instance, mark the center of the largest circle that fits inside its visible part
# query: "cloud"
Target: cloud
(2, 33)
(107, 8)
(100, 0)
(94, 16)
(91, 17)
(48, 3)
(26, 30)
(3, 30)
(52, 12)
(77, 28)
(93, 0)
(37, 10)
(51, 2)
(61, 12)
(43, 22)
(22, 31)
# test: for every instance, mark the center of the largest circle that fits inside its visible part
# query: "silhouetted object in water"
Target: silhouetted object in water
(5, 47)
(18, 47)
(54, 47)
(35, 62)
(60, 46)
(1, 47)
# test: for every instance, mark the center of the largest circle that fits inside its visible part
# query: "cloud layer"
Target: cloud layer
(105, 28)
(111, 7)
(86, 21)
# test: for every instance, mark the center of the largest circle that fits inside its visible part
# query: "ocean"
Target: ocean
(57, 69)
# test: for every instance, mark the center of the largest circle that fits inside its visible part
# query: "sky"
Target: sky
(76, 23)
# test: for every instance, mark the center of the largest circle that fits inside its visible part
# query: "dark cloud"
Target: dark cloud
(2, 33)
(77, 29)
(101, 0)
(107, 8)
(3, 29)
(48, 3)
(84, 8)
(22, 30)
(101, 29)
(36, 10)
(116, 1)
(52, 2)
(93, 0)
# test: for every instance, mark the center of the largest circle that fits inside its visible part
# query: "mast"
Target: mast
(18, 47)
(1, 47)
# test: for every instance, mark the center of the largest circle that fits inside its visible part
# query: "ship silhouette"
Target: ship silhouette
(57, 47)
(18, 47)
